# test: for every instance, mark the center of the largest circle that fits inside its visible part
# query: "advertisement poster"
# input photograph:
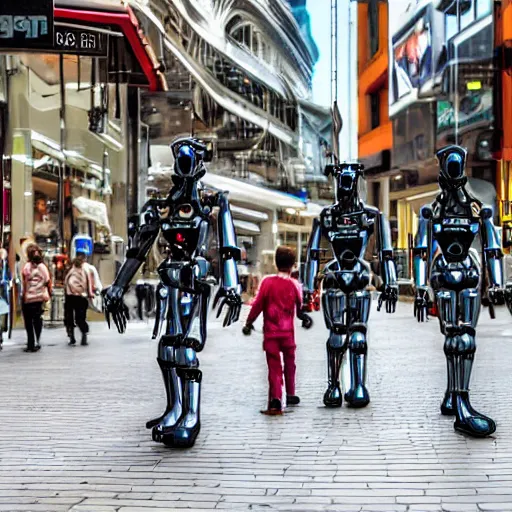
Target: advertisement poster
(416, 34)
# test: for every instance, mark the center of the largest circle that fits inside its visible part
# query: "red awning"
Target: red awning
(116, 15)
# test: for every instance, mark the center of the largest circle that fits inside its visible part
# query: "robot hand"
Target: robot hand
(421, 304)
(307, 321)
(247, 329)
(232, 300)
(114, 305)
(496, 295)
(390, 296)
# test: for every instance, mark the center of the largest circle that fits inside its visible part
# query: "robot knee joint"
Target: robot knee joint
(357, 340)
(466, 345)
(336, 342)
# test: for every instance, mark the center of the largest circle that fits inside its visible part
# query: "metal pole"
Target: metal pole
(62, 165)
(352, 84)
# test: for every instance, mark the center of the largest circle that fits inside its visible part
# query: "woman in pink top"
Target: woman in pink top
(37, 289)
(279, 298)
(79, 289)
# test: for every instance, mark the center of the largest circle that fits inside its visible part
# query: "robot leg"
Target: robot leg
(447, 308)
(467, 420)
(189, 424)
(334, 307)
(163, 426)
(360, 304)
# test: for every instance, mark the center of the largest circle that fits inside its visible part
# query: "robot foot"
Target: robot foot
(358, 397)
(470, 422)
(155, 421)
(447, 405)
(333, 396)
(185, 437)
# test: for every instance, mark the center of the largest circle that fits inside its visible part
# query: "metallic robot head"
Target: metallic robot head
(347, 176)
(452, 162)
(188, 157)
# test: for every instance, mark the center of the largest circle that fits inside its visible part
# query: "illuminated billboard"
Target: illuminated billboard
(416, 39)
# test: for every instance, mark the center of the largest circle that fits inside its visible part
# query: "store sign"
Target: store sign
(26, 24)
(80, 41)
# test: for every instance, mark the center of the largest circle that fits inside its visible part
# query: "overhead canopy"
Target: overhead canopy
(246, 214)
(93, 211)
(245, 193)
(246, 228)
(312, 210)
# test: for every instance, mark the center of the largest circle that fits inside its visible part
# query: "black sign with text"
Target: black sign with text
(80, 41)
(26, 24)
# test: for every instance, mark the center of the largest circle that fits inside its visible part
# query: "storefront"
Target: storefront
(443, 97)
(72, 115)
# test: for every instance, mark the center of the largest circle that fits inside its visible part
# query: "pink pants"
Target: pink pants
(273, 348)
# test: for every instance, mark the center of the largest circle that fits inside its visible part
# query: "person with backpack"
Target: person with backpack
(79, 289)
(36, 290)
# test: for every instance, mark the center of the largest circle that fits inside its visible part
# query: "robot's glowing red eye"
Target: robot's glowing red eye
(179, 238)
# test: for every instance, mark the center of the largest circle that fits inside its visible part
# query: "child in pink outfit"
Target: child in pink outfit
(280, 299)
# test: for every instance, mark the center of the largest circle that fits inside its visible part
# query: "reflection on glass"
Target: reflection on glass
(483, 8)
(467, 18)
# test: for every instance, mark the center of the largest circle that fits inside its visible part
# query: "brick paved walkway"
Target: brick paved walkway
(72, 434)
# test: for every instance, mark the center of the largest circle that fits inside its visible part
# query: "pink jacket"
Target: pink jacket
(279, 298)
(36, 280)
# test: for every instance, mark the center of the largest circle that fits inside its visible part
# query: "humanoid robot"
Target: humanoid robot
(445, 261)
(183, 295)
(346, 301)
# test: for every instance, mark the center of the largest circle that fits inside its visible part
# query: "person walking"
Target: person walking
(36, 290)
(79, 289)
(279, 298)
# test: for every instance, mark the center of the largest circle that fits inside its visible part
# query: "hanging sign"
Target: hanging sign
(26, 24)
(80, 41)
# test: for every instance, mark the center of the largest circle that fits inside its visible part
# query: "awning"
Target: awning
(108, 14)
(313, 210)
(93, 211)
(245, 193)
(246, 214)
(246, 228)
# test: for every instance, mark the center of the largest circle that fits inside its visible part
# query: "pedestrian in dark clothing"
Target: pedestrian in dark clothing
(37, 289)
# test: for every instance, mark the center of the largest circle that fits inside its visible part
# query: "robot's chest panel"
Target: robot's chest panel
(455, 237)
(347, 233)
(181, 235)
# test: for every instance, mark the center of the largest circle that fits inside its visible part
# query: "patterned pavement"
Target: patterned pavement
(72, 434)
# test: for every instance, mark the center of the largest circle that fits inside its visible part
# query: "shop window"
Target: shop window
(373, 26)
(46, 211)
(375, 110)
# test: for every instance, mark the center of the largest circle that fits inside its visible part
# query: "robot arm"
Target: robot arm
(229, 254)
(312, 257)
(385, 248)
(422, 252)
(312, 262)
(142, 232)
(492, 258)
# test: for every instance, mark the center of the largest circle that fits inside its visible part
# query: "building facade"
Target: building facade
(375, 131)
(239, 76)
(69, 130)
